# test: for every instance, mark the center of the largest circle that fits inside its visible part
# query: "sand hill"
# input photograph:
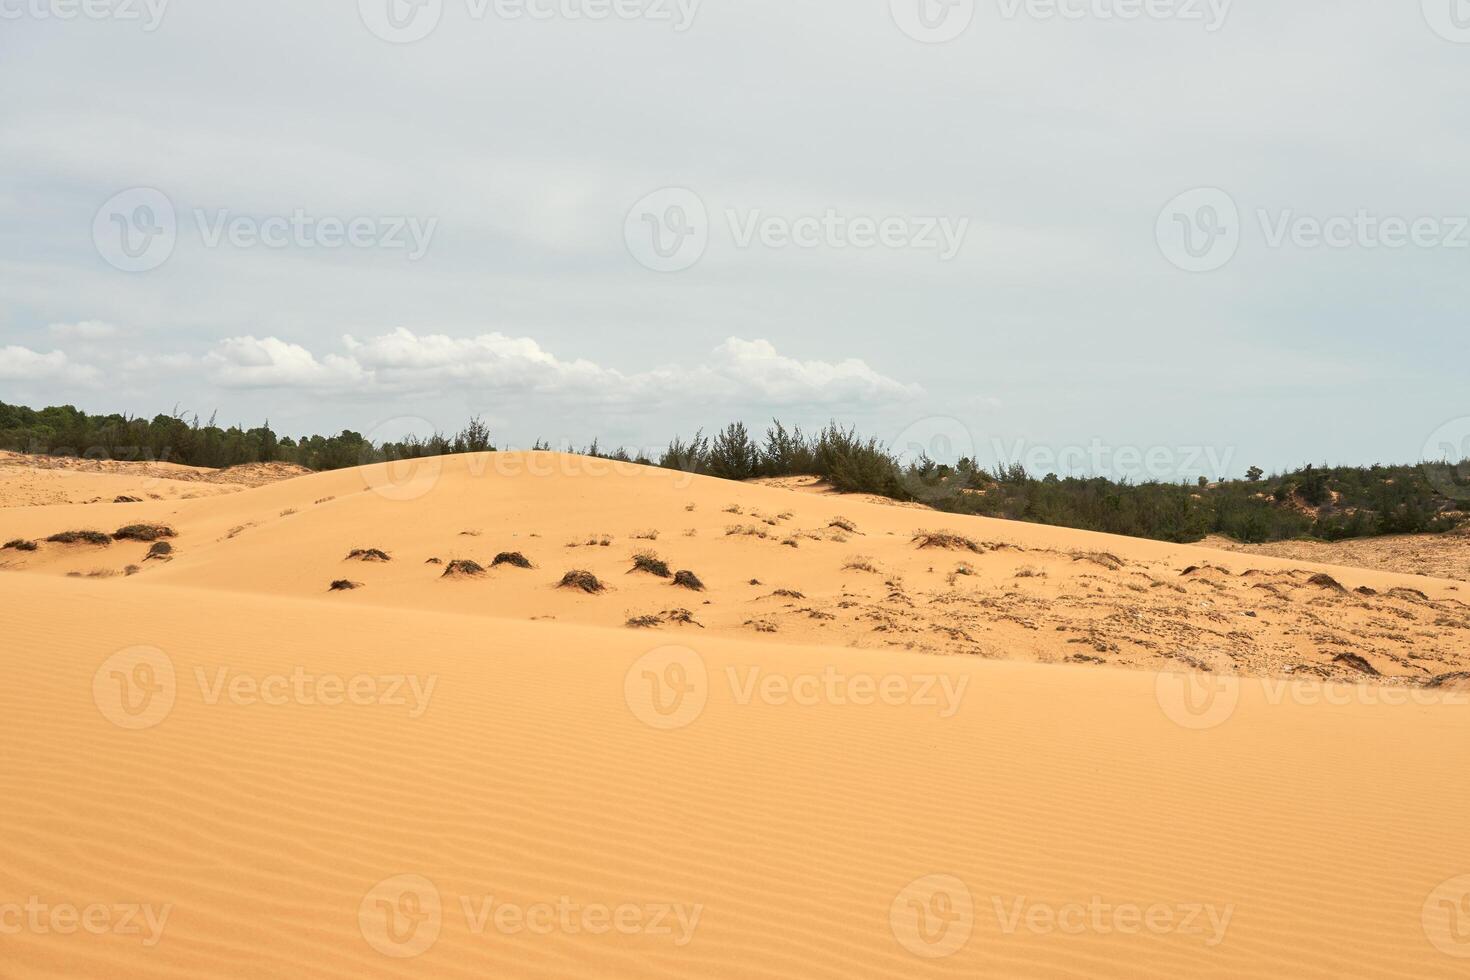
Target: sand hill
(853, 750)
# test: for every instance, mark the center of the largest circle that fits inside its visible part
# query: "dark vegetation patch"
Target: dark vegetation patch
(143, 532)
(125, 499)
(688, 580)
(463, 568)
(81, 537)
(160, 550)
(788, 594)
(367, 554)
(583, 580)
(1324, 581)
(843, 524)
(343, 585)
(1355, 662)
(647, 561)
(514, 558)
(19, 544)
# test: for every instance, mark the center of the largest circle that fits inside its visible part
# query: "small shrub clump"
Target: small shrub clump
(463, 568)
(19, 544)
(143, 532)
(367, 554)
(161, 550)
(511, 558)
(583, 580)
(647, 561)
(82, 537)
(344, 585)
(688, 580)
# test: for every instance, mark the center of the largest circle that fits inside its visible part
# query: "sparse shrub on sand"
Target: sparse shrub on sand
(583, 580)
(131, 570)
(288, 511)
(964, 568)
(688, 580)
(367, 554)
(734, 509)
(1027, 571)
(433, 561)
(746, 530)
(644, 622)
(682, 617)
(788, 594)
(514, 558)
(1109, 561)
(81, 537)
(650, 535)
(1326, 581)
(843, 524)
(161, 550)
(647, 561)
(143, 532)
(344, 585)
(761, 625)
(946, 539)
(860, 564)
(689, 507)
(463, 568)
(19, 544)
(125, 499)
(790, 542)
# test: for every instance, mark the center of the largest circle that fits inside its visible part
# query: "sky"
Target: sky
(1136, 238)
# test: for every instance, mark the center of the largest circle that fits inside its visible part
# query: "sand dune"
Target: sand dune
(217, 767)
(778, 567)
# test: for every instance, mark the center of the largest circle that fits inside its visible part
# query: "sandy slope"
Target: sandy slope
(797, 838)
(1442, 555)
(789, 573)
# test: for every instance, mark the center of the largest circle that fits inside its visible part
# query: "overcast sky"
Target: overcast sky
(1219, 233)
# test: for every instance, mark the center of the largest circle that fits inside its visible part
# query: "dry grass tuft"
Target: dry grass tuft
(367, 554)
(143, 532)
(19, 544)
(344, 585)
(514, 558)
(945, 539)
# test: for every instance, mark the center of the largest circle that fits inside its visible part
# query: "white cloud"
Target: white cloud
(23, 364)
(403, 361)
(84, 330)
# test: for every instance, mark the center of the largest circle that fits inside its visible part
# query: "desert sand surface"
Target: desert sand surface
(28, 480)
(216, 766)
(776, 566)
(1440, 555)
